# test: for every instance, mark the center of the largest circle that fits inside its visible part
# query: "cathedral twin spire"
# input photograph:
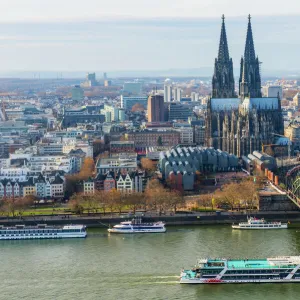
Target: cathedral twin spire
(223, 79)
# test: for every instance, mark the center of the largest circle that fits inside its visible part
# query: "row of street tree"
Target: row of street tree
(233, 195)
(16, 206)
(155, 198)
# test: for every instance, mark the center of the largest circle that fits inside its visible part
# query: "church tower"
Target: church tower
(223, 80)
(250, 67)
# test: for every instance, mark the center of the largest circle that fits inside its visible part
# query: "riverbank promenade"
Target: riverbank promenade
(189, 218)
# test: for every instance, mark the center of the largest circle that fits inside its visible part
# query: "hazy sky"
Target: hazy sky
(87, 35)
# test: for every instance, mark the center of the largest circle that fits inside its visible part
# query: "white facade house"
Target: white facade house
(125, 183)
(89, 187)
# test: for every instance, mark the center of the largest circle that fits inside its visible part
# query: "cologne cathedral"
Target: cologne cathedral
(240, 124)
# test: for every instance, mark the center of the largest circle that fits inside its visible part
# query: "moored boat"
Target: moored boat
(283, 269)
(137, 226)
(254, 223)
(42, 231)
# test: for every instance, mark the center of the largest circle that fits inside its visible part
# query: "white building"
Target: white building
(186, 135)
(39, 163)
(273, 90)
(125, 183)
(168, 90)
(15, 174)
(89, 187)
(177, 96)
(194, 97)
(113, 114)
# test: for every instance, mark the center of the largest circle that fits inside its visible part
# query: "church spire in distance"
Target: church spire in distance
(223, 54)
(250, 70)
(223, 80)
(249, 54)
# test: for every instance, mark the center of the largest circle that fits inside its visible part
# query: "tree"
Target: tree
(10, 206)
(90, 203)
(147, 164)
(76, 204)
(134, 200)
(159, 141)
(113, 199)
(205, 200)
(23, 203)
(175, 199)
(150, 193)
(138, 107)
(87, 169)
(155, 195)
(101, 200)
(228, 194)
(72, 186)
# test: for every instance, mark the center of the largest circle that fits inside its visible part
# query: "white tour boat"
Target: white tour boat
(282, 269)
(254, 223)
(137, 226)
(42, 231)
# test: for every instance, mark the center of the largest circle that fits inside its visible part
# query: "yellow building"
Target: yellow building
(293, 133)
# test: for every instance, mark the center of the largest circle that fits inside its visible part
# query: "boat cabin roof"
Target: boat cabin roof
(268, 263)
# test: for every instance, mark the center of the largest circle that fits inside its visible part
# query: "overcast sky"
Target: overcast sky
(87, 35)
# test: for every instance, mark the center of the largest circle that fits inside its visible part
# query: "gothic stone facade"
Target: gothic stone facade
(240, 125)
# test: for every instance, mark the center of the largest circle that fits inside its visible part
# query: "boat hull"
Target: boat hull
(205, 281)
(120, 231)
(46, 236)
(282, 226)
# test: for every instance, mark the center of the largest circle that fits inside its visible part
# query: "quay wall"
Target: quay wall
(177, 220)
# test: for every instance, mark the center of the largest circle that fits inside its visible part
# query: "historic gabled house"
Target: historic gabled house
(240, 125)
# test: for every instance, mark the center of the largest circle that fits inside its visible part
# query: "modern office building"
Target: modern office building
(168, 90)
(177, 111)
(77, 93)
(127, 102)
(156, 108)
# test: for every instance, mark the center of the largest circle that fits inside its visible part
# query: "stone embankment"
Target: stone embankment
(175, 220)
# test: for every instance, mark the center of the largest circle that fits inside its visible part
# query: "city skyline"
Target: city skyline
(120, 42)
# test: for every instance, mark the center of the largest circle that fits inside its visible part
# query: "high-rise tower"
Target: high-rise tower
(223, 80)
(250, 66)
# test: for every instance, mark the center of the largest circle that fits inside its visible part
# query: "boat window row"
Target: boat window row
(258, 277)
(139, 227)
(260, 225)
(29, 231)
(257, 271)
(34, 231)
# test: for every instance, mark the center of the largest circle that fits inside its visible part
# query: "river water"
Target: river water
(142, 266)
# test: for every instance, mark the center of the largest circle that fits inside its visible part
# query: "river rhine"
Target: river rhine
(142, 266)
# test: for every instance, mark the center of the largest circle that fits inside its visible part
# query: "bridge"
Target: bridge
(292, 182)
